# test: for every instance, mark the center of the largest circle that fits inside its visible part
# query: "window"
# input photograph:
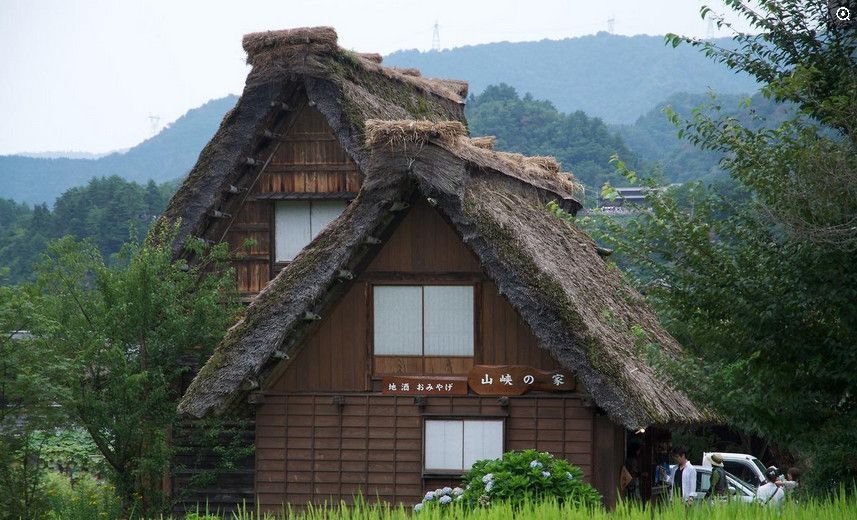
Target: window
(416, 320)
(455, 445)
(742, 471)
(297, 222)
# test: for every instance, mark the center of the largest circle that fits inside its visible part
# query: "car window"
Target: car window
(703, 481)
(742, 471)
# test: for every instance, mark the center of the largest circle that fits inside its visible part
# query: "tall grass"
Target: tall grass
(839, 507)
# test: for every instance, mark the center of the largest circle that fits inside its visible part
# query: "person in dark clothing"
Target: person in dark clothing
(718, 485)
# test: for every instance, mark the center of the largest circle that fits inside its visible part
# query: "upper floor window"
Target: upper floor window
(297, 222)
(423, 320)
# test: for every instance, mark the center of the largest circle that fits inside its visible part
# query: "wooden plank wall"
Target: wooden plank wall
(308, 162)
(309, 449)
(336, 357)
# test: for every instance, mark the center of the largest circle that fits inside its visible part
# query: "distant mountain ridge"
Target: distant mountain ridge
(165, 157)
(616, 78)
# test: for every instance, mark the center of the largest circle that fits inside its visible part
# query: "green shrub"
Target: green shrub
(521, 476)
(84, 499)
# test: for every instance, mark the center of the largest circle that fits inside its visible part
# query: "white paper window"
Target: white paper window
(448, 320)
(297, 222)
(398, 320)
(431, 320)
(454, 445)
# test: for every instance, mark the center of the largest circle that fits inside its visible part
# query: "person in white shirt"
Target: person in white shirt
(682, 477)
(769, 493)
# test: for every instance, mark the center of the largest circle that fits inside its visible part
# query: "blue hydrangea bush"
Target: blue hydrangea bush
(517, 477)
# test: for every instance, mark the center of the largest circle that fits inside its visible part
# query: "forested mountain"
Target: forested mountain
(529, 126)
(616, 78)
(103, 211)
(653, 137)
(165, 157)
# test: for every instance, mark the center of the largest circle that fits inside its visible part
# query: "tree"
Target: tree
(534, 127)
(115, 339)
(760, 285)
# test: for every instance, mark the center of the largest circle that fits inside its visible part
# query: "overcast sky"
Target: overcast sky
(85, 75)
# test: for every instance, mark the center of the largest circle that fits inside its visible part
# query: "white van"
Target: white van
(745, 467)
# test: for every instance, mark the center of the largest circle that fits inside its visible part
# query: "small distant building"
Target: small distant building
(414, 305)
(626, 201)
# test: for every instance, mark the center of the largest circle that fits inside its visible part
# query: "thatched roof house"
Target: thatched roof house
(408, 139)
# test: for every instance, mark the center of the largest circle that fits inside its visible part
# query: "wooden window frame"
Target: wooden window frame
(451, 472)
(277, 265)
(420, 280)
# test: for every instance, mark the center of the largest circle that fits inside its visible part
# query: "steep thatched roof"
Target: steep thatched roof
(347, 87)
(576, 304)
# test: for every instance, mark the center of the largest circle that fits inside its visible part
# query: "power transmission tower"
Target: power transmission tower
(611, 24)
(154, 120)
(710, 32)
(435, 37)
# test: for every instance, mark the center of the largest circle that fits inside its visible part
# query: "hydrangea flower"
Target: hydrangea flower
(418, 507)
(489, 485)
(429, 496)
(484, 500)
(438, 492)
(445, 499)
(536, 464)
(488, 478)
(569, 476)
(457, 492)
(447, 490)
(546, 474)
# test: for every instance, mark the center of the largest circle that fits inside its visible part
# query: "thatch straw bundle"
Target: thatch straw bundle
(458, 86)
(264, 46)
(486, 142)
(374, 57)
(412, 131)
(409, 71)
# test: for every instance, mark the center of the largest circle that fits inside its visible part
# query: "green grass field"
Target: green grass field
(810, 509)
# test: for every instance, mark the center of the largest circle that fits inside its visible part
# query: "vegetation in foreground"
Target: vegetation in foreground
(84, 506)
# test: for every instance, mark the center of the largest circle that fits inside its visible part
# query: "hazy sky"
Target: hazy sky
(86, 75)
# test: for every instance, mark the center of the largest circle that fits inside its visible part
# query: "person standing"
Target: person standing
(718, 486)
(682, 477)
(791, 482)
(769, 493)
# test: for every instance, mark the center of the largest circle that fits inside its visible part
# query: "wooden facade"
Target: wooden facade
(307, 163)
(396, 291)
(324, 432)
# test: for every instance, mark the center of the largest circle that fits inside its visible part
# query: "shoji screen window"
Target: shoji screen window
(452, 446)
(297, 222)
(423, 320)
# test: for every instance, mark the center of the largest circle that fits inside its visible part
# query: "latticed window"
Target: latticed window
(423, 320)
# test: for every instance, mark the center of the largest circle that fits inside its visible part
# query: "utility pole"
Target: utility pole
(611, 24)
(435, 37)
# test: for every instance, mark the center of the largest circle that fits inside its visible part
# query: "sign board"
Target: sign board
(424, 385)
(517, 380)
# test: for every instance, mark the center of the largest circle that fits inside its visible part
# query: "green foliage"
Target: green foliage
(105, 211)
(582, 144)
(759, 283)
(521, 476)
(83, 498)
(114, 341)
